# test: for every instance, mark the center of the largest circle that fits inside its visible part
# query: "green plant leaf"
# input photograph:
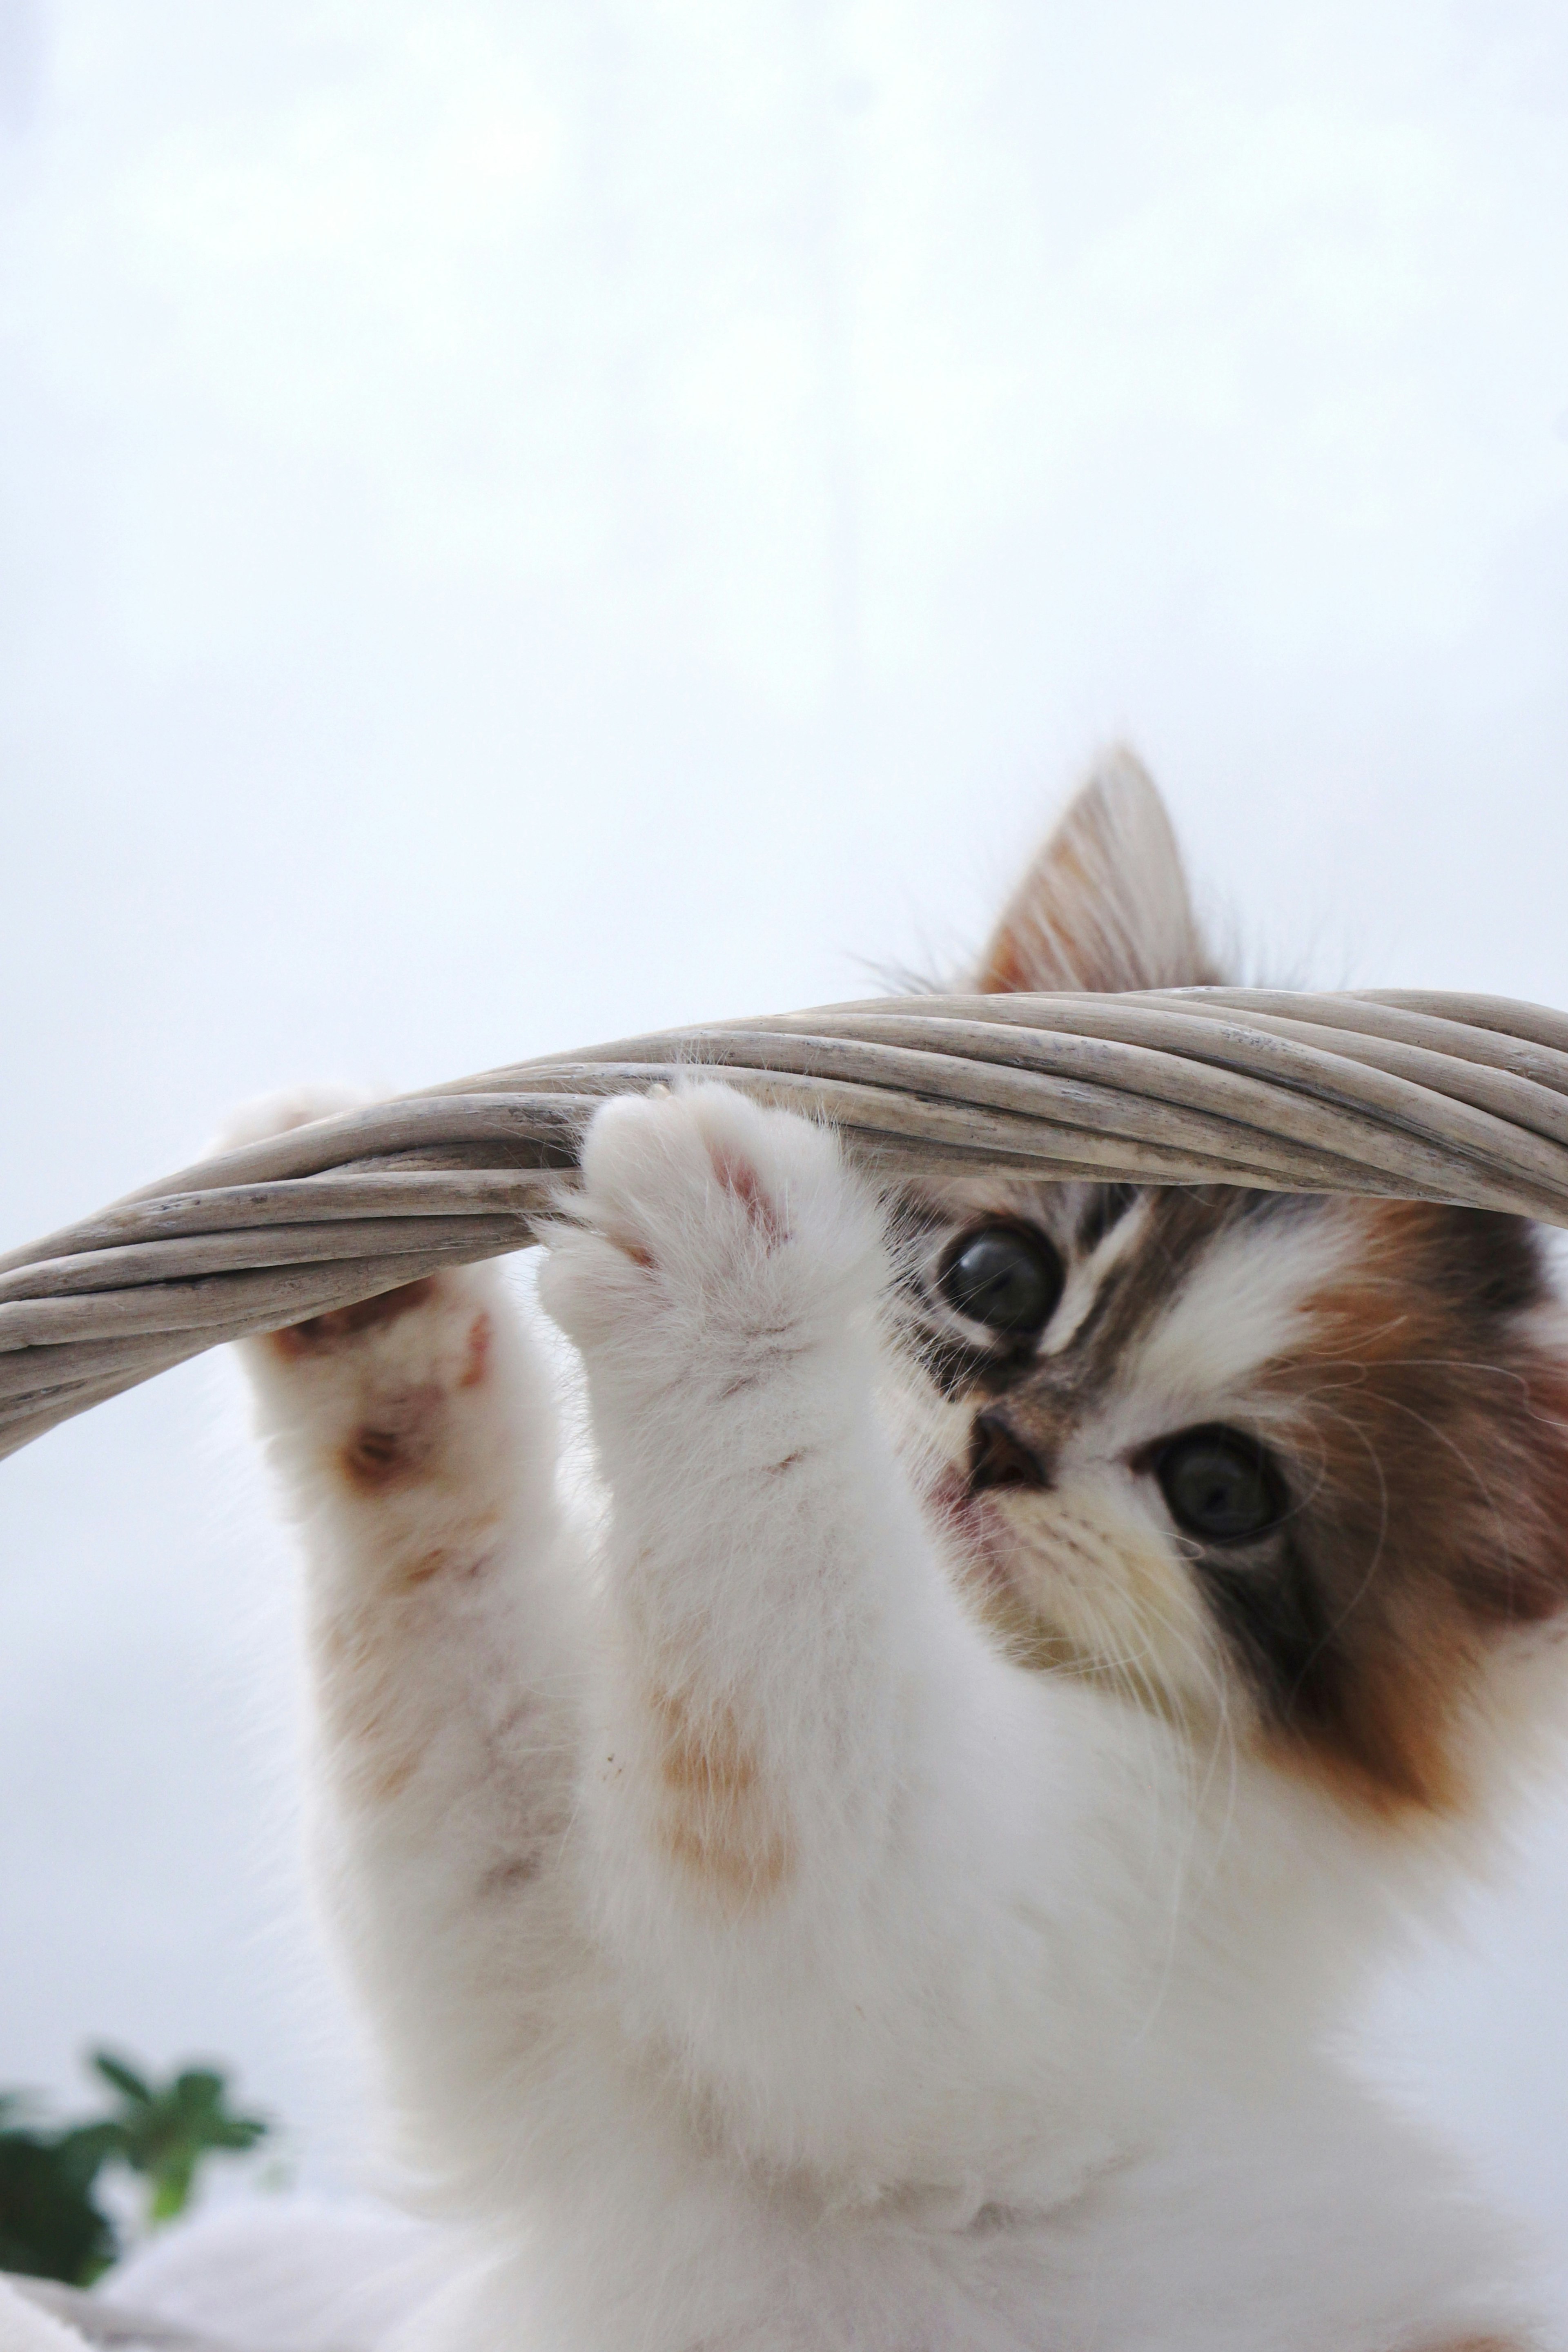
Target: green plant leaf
(122, 2077)
(51, 2225)
(167, 2131)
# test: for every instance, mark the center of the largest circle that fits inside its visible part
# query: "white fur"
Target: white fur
(960, 2006)
(24, 2328)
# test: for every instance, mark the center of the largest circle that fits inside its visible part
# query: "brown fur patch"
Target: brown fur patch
(628, 1248)
(721, 1823)
(319, 1333)
(1484, 2344)
(444, 1561)
(510, 1877)
(1429, 1434)
(395, 1446)
(738, 1871)
(476, 1362)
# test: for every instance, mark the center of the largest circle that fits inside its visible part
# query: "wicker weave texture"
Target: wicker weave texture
(1396, 1093)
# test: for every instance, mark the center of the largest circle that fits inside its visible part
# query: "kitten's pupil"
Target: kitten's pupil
(1220, 1486)
(1008, 1280)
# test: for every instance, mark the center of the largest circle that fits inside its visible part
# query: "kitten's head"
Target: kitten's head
(1293, 1464)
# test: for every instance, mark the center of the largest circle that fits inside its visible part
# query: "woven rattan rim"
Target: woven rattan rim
(1397, 1094)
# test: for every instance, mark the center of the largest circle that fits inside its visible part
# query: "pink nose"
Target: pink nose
(999, 1457)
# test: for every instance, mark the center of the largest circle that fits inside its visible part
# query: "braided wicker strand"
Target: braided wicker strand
(1394, 1094)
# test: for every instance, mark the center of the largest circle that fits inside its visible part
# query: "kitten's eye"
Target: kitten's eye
(1006, 1279)
(1219, 1485)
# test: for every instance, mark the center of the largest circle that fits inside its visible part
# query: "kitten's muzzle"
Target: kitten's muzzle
(999, 1457)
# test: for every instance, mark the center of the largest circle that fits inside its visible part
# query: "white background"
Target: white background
(520, 523)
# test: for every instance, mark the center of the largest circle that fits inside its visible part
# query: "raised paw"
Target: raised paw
(710, 1236)
(380, 1391)
(281, 1113)
(384, 1397)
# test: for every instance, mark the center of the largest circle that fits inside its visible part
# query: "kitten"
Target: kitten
(894, 1882)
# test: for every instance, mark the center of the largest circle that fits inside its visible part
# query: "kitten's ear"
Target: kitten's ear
(1105, 904)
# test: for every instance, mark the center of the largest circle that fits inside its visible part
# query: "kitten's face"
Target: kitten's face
(1297, 1465)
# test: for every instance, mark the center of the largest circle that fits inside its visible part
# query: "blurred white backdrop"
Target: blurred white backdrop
(525, 522)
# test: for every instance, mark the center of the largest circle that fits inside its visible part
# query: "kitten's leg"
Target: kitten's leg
(415, 1435)
(801, 1854)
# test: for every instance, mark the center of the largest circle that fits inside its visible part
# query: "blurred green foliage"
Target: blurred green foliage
(51, 2222)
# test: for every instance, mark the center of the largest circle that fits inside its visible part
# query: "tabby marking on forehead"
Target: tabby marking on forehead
(1101, 1245)
(1106, 1206)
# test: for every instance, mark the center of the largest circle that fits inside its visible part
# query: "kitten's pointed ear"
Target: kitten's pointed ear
(1105, 904)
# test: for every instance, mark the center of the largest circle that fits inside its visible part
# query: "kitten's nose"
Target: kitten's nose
(999, 1457)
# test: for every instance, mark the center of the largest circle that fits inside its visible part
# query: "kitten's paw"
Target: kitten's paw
(384, 1385)
(376, 1377)
(709, 1226)
(281, 1114)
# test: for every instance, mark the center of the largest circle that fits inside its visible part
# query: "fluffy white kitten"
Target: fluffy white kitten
(893, 1885)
